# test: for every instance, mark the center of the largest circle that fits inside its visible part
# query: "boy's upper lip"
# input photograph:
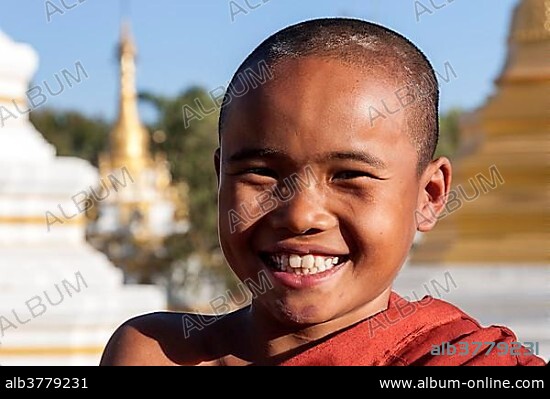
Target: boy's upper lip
(304, 249)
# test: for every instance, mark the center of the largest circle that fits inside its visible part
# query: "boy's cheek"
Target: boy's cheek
(377, 220)
(237, 217)
(382, 236)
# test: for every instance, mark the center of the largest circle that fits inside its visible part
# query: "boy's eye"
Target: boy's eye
(260, 172)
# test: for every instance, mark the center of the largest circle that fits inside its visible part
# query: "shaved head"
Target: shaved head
(372, 48)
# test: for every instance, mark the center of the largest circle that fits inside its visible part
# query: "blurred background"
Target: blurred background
(108, 123)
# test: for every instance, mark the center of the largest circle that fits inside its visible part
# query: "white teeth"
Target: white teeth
(319, 260)
(308, 261)
(295, 261)
(304, 265)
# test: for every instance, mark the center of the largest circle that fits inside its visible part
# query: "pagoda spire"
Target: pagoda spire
(129, 140)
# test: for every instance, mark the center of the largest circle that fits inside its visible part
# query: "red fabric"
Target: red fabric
(405, 333)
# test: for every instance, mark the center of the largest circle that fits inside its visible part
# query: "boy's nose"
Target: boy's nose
(304, 213)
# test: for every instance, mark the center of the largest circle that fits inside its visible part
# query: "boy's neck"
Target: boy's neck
(271, 339)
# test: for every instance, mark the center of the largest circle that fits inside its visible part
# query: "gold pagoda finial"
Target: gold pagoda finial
(129, 138)
(528, 44)
(531, 21)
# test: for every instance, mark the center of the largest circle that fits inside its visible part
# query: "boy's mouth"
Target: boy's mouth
(302, 265)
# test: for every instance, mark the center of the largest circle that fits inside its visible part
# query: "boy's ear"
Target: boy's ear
(217, 163)
(435, 185)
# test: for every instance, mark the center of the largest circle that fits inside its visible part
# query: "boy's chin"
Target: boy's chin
(299, 316)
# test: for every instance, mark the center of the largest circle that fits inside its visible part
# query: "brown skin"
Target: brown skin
(312, 110)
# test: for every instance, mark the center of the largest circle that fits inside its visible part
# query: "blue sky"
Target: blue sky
(199, 42)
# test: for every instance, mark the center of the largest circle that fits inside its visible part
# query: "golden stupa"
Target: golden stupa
(507, 140)
(147, 206)
(129, 140)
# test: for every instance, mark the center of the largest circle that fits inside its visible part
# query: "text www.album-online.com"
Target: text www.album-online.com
(487, 382)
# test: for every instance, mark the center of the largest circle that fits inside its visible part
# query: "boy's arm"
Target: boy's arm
(143, 341)
(154, 339)
(127, 347)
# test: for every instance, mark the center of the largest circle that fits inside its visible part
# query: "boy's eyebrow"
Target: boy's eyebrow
(254, 153)
(359, 156)
(268, 152)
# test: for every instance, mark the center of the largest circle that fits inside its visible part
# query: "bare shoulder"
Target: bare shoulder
(158, 339)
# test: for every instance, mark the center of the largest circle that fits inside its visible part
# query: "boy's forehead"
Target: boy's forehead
(332, 68)
(314, 93)
(323, 107)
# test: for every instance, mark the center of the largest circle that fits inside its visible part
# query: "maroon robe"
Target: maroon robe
(411, 333)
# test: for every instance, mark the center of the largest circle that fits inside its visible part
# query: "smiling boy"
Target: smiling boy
(355, 105)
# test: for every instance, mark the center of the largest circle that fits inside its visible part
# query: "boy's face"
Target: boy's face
(356, 202)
